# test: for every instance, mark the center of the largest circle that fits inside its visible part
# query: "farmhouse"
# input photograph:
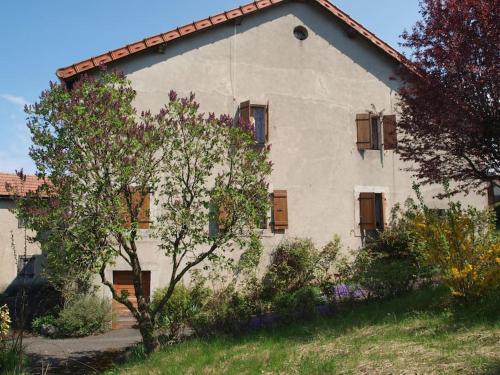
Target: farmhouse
(20, 258)
(310, 79)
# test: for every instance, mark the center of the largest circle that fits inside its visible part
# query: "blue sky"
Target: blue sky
(37, 37)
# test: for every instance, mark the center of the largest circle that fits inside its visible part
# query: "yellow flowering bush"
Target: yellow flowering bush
(4, 321)
(463, 244)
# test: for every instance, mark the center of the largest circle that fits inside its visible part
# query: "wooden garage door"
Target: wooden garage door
(123, 280)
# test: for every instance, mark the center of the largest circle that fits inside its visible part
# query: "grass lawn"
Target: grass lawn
(415, 334)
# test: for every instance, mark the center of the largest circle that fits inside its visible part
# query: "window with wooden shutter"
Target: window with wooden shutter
(143, 217)
(363, 124)
(367, 220)
(258, 117)
(245, 113)
(390, 132)
(372, 207)
(280, 210)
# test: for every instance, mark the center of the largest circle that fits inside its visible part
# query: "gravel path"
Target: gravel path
(87, 355)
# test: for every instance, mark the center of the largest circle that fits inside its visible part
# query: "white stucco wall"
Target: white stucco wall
(12, 245)
(314, 89)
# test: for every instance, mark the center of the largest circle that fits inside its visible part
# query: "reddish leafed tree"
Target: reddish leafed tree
(450, 101)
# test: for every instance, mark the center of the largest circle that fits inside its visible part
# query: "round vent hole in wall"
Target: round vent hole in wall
(301, 33)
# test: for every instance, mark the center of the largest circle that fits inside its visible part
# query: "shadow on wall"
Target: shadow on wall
(29, 270)
(29, 295)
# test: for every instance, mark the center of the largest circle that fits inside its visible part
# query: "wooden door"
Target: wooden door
(123, 280)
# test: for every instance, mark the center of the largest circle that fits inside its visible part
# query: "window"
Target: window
(375, 131)
(258, 117)
(438, 212)
(493, 194)
(263, 216)
(493, 199)
(371, 213)
(301, 33)
(26, 267)
(372, 133)
(258, 120)
(143, 214)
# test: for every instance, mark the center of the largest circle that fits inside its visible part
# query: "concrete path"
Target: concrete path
(87, 355)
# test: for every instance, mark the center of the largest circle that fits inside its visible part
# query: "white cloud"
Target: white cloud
(17, 100)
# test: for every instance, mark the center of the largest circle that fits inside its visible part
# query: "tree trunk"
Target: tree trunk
(149, 339)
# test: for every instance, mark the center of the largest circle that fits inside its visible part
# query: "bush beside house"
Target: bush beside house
(84, 316)
(457, 247)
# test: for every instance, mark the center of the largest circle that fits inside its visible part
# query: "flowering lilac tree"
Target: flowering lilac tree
(450, 108)
(98, 155)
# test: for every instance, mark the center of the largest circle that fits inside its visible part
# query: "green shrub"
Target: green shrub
(300, 303)
(37, 324)
(184, 304)
(291, 286)
(84, 316)
(383, 276)
(389, 264)
(227, 310)
(12, 357)
(292, 267)
(297, 263)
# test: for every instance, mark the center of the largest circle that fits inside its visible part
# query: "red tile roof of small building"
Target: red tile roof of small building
(14, 182)
(256, 6)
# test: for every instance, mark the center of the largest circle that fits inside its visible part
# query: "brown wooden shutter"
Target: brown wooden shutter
(267, 122)
(367, 211)
(144, 218)
(124, 212)
(280, 210)
(390, 132)
(363, 124)
(223, 218)
(245, 112)
(143, 215)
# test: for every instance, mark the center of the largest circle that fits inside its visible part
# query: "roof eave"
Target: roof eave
(74, 70)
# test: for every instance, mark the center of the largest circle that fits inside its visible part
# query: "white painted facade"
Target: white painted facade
(314, 89)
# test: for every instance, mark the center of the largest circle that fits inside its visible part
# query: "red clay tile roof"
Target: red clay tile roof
(31, 184)
(130, 49)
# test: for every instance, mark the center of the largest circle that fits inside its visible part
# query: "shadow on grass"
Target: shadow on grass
(492, 369)
(440, 316)
(430, 302)
(76, 364)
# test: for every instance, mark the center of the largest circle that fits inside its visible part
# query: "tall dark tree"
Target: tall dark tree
(450, 117)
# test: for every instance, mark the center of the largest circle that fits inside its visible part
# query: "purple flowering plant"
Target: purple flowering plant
(101, 159)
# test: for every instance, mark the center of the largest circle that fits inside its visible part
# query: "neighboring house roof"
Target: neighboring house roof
(13, 181)
(256, 6)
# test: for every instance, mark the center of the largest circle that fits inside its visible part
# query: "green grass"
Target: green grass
(415, 334)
